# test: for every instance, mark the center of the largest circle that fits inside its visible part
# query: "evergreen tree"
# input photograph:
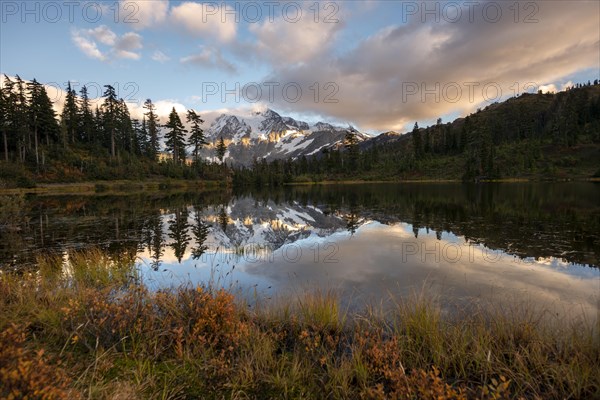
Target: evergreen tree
(223, 219)
(197, 138)
(352, 222)
(221, 149)
(138, 137)
(20, 119)
(465, 134)
(417, 142)
(99, 125)
(15, 126)
(143, 138)
(153, 127)
(175, 137)
(110, 108)
(155, 240)
(125, 128)
(42, 116)
(178, 232)
(70, 115)
(4, 114)
(351, 145)
(200, 230)
(48, 118)
(86, 118)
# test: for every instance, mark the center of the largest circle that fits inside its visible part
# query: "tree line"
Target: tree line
(503, 140)
(85, 138)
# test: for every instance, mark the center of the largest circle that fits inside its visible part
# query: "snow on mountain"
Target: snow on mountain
(265, 134)
(254, 125)
(229, 127)
(270, 225)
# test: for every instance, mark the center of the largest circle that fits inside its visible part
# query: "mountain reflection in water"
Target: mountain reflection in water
(536, 242)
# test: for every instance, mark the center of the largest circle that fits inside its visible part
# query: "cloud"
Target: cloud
(374, 76)
(160, 57)
(552, 88)
(127, 44)
(209, 57)
(283, 41)
(87, 47)
(163, 108)
(211, 19)
(455, 271)
(206, 19)
(124, 46)
(141, 14)
(103, 35)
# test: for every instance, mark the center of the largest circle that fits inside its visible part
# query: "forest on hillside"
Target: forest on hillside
(543, 136)
(101, 143)
(533, 136)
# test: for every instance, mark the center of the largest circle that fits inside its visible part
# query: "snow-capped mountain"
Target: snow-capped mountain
(267, 135)
(270, 224)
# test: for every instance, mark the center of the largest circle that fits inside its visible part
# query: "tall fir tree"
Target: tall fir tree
(48, 119)
(221, 149)
(175, 137)
(178, 233)
(20, 122)
(417, 142)
(99, 125)
(86, 118)
(223, 218)
(4, 115)
(200, 230)
(138, 143)
(153, 127)
(14, 119)
(351, 146)
(197, 139)
(143, 138)
(125, 128)
(111, 109)
(70, 115)
(155, 240)
(35, 111)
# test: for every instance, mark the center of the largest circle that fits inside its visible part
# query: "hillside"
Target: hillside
(533, 136)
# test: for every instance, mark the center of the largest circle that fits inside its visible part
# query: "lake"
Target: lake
(538, 243)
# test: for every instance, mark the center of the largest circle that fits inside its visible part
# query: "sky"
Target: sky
(375, 65)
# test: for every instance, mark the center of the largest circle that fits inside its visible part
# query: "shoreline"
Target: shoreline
(154, 185)
(115, 187)
(502, 180)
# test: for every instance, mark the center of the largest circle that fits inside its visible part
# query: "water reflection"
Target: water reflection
(379, 262)
(459, 241)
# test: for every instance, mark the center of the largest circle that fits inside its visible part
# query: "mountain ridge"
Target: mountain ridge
(268, 135)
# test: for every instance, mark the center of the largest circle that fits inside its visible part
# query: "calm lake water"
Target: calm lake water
(538, 243)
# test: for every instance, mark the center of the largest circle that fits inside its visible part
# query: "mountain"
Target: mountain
(380, 140)
(536, 136)
(270, 225)
(268, 135)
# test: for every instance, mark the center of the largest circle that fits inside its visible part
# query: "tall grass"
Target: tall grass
(84, 327)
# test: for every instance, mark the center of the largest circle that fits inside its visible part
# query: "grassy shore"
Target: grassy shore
(91, 330)
(116, 187)
(431, 180)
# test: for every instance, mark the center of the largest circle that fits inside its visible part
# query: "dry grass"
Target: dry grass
(89, 330)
